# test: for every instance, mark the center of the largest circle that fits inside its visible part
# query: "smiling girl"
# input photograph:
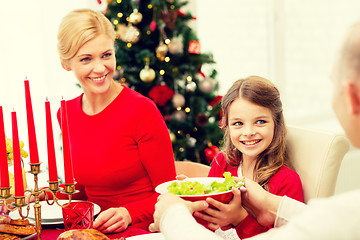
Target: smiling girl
(254, 148)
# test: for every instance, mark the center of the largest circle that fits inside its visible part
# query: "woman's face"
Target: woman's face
(94, 65)
(251, 128)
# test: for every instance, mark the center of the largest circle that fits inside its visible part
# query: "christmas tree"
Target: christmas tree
(158, 55)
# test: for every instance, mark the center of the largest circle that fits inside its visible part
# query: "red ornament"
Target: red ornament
(215, 101)
(153, 26)
(211, 152)
(161, 94)
(194, 47)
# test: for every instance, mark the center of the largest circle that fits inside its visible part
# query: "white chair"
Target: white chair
(191, 169)
(316, 157)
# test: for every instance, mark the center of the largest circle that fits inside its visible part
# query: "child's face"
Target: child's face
(94, 65)
(251, 128)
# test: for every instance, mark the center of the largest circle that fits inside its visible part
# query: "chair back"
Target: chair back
(316, 157)
(191, 169)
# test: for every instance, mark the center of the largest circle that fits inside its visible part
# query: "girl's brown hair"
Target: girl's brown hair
(262, 92)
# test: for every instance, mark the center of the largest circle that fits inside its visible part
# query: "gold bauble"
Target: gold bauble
(128, 33)
(161, 51)
(135, 17)
(147, 74)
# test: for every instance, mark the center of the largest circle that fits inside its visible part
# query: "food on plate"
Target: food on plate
(197, 188)
(84, 234)
(17, 230)
(4, 236)
(14, 228)
(18, 222)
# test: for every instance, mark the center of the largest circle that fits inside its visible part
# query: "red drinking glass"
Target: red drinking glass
(78, 215)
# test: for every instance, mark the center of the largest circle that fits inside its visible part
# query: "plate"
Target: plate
(23, 237)
(149, 236)
(223, 197)
(50, 214)
(29, 237)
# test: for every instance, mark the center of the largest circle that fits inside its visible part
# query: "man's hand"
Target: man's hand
(165, 201)
(258, 202)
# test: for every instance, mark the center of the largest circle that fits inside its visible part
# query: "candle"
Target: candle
(3, 154)
(19, 184)
(53, 176)
(68, 169)
(34, 155)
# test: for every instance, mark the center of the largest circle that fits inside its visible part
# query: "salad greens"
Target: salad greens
(196, 188)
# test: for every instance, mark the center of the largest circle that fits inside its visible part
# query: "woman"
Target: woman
(118, 137)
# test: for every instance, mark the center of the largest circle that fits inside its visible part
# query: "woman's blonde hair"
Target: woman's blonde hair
(262, 92)
(78, 27)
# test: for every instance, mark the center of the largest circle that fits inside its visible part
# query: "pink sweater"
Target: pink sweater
(121, 154)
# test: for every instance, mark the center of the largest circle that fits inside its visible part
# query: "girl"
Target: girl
(254, 148)
(118, 137)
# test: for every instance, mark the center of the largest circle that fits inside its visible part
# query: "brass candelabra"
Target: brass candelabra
(12, 203)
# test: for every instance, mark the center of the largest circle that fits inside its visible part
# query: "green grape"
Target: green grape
(23, 153)
(21, 143)
(11, 156)
(8, 142)
(9, 148)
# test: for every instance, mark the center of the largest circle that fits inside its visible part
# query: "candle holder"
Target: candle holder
(18, 203)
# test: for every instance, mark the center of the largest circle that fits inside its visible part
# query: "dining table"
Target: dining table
(52, 232)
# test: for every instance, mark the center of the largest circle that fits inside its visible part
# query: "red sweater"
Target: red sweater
(121, 154)
(284, 182)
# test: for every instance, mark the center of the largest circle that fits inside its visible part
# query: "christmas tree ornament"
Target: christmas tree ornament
(147, 74)
(216, 100)
(190, 86)
(206, 85)
(169, 18)
(161, 94)
(176, 46)
(135, 17)
(201, 119)
(128, 33)
(172, 137)
(211, 152)
(191, 142)
(161, 51)
(178, 100)
(180, 115)
(194, 47)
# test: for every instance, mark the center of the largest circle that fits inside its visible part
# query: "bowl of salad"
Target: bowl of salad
(196, 189)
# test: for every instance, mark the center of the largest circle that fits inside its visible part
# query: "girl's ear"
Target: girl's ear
(353, 97)
(65, 64)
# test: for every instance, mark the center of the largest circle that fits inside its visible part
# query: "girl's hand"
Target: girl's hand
(224, 214)
(113, 220)
(181, 177)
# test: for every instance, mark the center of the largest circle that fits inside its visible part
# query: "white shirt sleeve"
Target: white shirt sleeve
(178, 224)
(288, 207)
(331, 218)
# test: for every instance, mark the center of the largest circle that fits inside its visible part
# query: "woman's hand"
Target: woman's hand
(113, 220)
(224, 214)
